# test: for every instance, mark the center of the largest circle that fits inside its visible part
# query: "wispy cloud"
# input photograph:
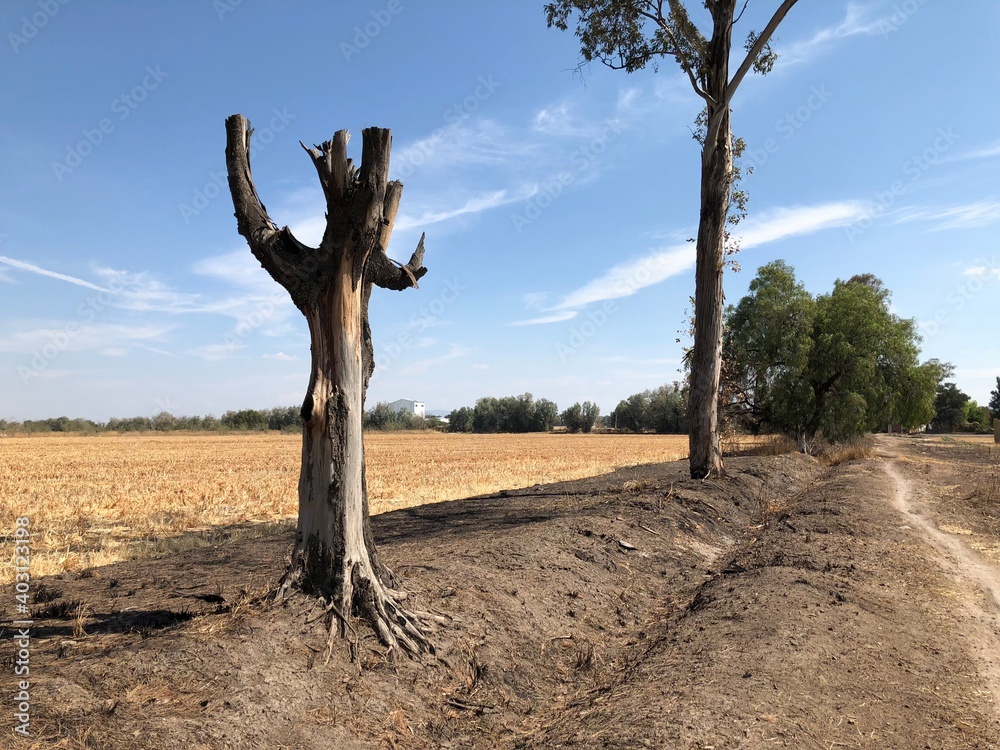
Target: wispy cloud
(142, 292)
(984, 271)
(476, 141)
(103, 337)
(562, 120)
(859, 20)
(964, 216)
(455, 351)
(476, 204)
(216, 352)
(555, 317)
(281, 357)
(627, 278)
(781, 223)
(990, 151)
(32, 268)
(238, 268)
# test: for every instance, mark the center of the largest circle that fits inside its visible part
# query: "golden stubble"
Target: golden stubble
(96, 500)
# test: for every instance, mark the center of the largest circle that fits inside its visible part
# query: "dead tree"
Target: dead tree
(334, 556)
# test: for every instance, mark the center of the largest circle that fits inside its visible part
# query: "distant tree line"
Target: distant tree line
(284, 419)
(58, 424)
(508, 414)
(955, 411)
(661, 410)
(383, 417)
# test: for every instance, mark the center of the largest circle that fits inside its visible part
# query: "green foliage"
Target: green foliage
(58, 424)
(662, 410)
(581, 417)
(130, 424)
(245, 419)
(285, 418)
(766, 348)
(995, 401)
(572, 418)
(282, 418)
(841, 363)
(951, 409)
(545, 417)
(383, 417)
(460, 420)
(668, 409)
(508, 414)
(631, 34)
(978, 418)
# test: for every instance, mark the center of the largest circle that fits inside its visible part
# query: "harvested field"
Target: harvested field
(97, 500)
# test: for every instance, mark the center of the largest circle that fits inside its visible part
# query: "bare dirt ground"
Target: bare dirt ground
(787, 605)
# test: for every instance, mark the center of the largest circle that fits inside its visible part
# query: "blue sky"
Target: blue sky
(556, 203)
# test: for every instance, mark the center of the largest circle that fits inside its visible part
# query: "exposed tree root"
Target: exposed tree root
(398, 629)
(366, 598)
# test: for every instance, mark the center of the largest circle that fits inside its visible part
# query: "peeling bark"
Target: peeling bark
(334, 556)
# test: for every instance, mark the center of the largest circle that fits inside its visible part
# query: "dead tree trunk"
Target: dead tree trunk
(334, 556)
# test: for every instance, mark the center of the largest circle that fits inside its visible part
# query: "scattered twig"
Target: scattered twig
(468, 705)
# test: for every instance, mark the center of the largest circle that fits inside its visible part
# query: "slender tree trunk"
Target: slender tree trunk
(334, 556)
(716, 181)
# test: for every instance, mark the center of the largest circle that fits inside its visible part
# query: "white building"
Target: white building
(410, 407)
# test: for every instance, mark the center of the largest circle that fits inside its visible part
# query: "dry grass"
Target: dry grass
(833, 454)
(97, 500)
(762, 445)
(986, 481)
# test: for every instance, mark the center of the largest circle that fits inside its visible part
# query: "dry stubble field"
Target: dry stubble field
(96, 500)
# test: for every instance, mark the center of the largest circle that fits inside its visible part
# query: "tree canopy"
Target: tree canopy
(508, 414)
(950, 405)
(581, 417)
(662, 410)
(840, 364)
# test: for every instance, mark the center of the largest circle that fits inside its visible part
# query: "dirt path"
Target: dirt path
(977, 579)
